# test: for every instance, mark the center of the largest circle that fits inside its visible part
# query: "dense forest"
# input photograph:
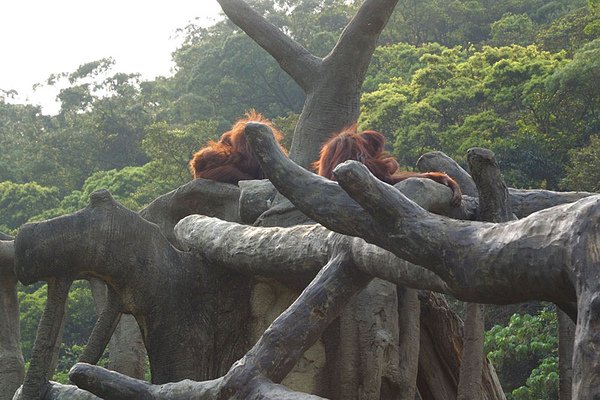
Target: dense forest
(521, 78)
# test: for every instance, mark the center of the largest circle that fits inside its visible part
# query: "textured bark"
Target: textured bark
(477, 273)
(119, 332)
(199, 196)
(127, 351)
(438, 161)
(409, 314)
(11, 357)
(367, 359)
(471, 366)
(332, 84)
(566, 337)
(494, 206)
(109, 311)
(47, 341)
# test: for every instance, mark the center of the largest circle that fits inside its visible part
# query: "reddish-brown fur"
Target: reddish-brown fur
(230, 159)
(368, 147)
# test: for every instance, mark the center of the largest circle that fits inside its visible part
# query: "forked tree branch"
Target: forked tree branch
(477, 260)
(359, 39)
(294, 59)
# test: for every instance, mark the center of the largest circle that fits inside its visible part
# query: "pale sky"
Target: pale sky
(42, 37)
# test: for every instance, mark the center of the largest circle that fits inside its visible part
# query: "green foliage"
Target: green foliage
(513, 29)
(122, 184)
(567, 32)
(527, 343)
(286, 125)
(21, 201)
(465, 22)
(171, 148)
(583, 171)
(527, 105)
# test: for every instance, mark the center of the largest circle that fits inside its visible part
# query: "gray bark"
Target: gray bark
(47, 341)
(99, 241)
(11, 357)
(438, 161)
(440, 355)
(471, 366)
(566, 337)
(409, 314)
(109, 312)
(270, 360)
(127, 351)
(368, 357)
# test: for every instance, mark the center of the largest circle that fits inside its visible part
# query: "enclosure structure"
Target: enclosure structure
(204, 288)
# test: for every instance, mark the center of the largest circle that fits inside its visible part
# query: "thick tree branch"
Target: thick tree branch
(480, 257)
(533, 248)
(438, 161)
(494, 206)
(294, 59)
(299, 251)
(526, 202)
(199, 196)
(359, 39)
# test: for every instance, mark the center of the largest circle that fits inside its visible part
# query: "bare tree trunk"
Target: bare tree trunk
(11, 357)
(471, 366)
(442, 335)
(494, 206)
(566, 338)
(409, 315)
(47, 341)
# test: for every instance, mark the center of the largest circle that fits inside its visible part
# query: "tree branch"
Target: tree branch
(294, 59)
(523, 202)
(294, 252)
(481, 258)
(271, 358)
(359, 39)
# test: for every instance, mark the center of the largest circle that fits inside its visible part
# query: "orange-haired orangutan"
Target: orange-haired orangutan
(230, 159)
(368, 148)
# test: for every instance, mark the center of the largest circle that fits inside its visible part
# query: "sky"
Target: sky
(43, 37)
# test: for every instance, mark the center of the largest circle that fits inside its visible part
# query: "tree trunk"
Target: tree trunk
(11, 357)
(47, 341)
(471, 366)
(409, 315)
(566, 337)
